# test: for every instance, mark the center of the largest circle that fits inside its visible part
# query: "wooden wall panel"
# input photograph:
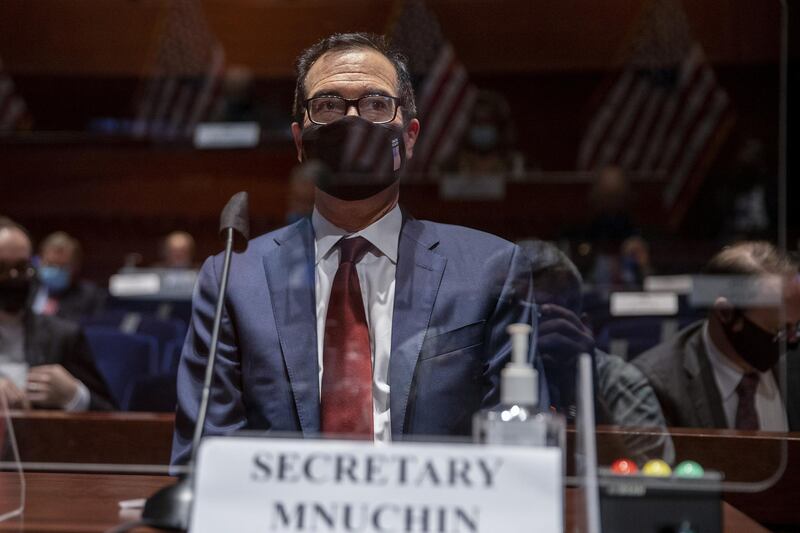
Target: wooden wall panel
(116, 37)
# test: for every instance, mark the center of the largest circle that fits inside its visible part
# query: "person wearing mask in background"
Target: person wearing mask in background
(177, 251)
(61, 291)
(721, 372)
(488, 145)
(300, 197)
(623, 397)
(45, 361)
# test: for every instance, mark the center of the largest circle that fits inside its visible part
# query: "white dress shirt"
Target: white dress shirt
(376, 277)
(769, 403)
(12, 358)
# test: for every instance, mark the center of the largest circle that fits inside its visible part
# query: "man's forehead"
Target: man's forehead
(351, 73)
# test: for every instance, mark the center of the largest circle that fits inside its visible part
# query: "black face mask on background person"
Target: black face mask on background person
(14, 295)
(358, 158)
(756, 346)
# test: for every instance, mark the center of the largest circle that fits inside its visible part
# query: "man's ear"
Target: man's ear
(297, 135)
(723, 310)
(410, 134)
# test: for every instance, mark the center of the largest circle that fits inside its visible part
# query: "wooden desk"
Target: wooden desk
(146, 439)
(107, 438)
(89, 503)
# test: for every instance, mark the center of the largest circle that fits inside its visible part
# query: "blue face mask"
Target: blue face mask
(483, 137)
(56, 279)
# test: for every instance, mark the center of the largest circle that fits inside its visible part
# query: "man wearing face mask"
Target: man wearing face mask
(61, 292)
(358, 320)
(45, 361)
(722, 372)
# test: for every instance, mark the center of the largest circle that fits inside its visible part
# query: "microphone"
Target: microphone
(170, 507)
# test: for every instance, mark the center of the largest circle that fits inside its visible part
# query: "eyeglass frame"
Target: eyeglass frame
(353, 102)
(784, 335)
(19, 271)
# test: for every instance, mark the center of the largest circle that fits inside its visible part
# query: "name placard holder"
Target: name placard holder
(282, 485)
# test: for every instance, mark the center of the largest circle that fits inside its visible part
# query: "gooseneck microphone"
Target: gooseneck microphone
(170, 507)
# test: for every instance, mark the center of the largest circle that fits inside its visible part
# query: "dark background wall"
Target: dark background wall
(77, 61)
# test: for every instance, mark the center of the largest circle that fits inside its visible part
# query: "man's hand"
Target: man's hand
(562, 338)
(15, 398)
(51, 386)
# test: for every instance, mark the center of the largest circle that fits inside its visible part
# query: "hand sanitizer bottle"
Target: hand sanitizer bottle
(518, 420)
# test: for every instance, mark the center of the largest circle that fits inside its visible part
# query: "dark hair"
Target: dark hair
(349, 41)
(62, 239)
(554, 272)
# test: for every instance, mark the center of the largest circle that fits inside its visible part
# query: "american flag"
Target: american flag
(445, 96)
(13, 111)
(189, 63)
(665, 115)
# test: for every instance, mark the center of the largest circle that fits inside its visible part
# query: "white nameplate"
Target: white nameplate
(676, 284)
(473, 188)
(643, 304)
(227, 135)
(280, 485)
(134, 284)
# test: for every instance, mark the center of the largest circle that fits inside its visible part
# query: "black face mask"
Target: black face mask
(756, 346)
(358, 158)
(14, 295)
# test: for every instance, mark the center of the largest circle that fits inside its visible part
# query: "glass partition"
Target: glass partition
(634, 153)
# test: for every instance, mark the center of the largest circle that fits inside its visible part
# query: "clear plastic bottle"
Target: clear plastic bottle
(518, 420)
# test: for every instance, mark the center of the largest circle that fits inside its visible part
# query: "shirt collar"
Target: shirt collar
(728, 375)
(383, 234)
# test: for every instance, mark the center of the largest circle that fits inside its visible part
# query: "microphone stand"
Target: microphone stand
(170, 507)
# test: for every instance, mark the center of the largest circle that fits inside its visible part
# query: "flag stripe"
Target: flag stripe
(652, 123)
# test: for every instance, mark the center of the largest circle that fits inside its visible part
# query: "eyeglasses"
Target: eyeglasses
(376, 108)
(16, 271)
(790, 334)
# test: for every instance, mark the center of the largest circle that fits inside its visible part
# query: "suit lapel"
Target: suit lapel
(417, 280)
(290, 278)
(703, 390)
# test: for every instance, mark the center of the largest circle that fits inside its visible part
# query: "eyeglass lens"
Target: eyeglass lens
(375, 108)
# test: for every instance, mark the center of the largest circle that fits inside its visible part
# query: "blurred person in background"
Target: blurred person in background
(721, 372)
(610, 224)
(623, 396)
(45, 361)
(634, 264)
(487, 148)
(177, 251)
(300, 196)
(61, 291)
(747, 206)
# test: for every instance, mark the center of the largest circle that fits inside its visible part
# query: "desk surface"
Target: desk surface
(146, 439)
(89, 503)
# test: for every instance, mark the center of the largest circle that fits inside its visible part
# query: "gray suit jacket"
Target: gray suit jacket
(681, 375)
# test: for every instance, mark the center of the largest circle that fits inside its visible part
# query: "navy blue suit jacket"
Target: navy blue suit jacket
(456, 290)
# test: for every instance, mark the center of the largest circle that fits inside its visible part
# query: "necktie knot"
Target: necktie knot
(352, 250)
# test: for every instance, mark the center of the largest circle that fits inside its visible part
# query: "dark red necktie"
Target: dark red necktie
(346, 400)
(746, 415)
